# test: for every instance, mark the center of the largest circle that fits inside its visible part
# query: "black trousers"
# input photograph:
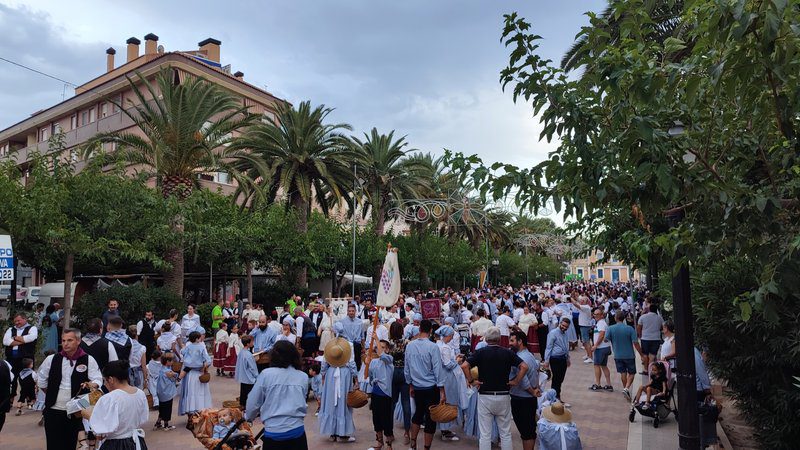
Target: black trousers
(357, 354)
(299, 443)
(2, 420)
(523, 410)
(244, 392)
(559, 368)
(424, 399)
(61, 430)
(165, 410)
(16, 367)
(382, 419)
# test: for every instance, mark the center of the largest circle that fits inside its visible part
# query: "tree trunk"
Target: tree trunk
(249, 269)
(173, 278)
(301, 207)
(70, 262)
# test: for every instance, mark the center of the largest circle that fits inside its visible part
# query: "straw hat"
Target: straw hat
(337, 352)
(474, 372)
(556, 413)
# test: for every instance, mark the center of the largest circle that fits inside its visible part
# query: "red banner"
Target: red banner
(431, 308)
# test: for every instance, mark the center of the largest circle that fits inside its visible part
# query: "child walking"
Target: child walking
(246, 370)
(27, 386)
(316, 385)
(165, 391)
(380, 372)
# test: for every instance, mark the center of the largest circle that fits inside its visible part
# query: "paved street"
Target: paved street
(602, 420)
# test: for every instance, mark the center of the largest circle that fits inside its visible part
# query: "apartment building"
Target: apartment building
(92, 109)
(589, 268)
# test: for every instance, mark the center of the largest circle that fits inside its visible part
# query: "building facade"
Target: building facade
(589, 268)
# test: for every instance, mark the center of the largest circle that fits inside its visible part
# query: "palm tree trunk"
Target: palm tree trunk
(68, 265)
(249, 269)
(301, 206)
(173, 278)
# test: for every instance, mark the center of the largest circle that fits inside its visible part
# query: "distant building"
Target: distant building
(588, 268)
(89, 111)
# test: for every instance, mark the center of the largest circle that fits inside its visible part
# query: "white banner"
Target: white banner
(389, 286)
(6, 258)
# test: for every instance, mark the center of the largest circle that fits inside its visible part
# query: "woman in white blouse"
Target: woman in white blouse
(189, 322)
(668, 348)
(286, 331)
(526, 320)
(117, 417)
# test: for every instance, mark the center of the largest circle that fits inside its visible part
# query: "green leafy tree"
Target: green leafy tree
(183, 128)
(306, 162)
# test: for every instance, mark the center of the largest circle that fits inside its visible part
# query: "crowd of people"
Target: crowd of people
(482, 358)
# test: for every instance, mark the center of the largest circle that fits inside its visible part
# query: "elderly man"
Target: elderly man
(494, 365)
(307, 332)
(61, 376)
(263, 339)
(353, 331)
(524, 395)
(479, 327)
(20, 343)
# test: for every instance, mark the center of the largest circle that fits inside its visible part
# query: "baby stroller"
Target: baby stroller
(660, 406)
(240, 437)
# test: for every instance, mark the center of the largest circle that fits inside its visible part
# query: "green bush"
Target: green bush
(204, 311)
(133, 301)
(757, 357)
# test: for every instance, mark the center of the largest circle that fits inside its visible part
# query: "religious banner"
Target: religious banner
(431, 308)
(369, 294)
(482, 279)
(338, 309)
(389, 285)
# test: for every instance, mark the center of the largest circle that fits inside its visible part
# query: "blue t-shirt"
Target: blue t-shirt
(622, 337)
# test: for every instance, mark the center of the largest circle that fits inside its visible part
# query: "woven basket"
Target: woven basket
(205, 377)
(149, 397)
(357, 399)
(443, 413)
(94, 396)
(263, 358)
(231, 404)
(177, 366)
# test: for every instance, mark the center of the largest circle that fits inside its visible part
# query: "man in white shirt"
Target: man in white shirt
(584, 325)
(505, 323)
(479, 327)
(20, 343)
(61, 377)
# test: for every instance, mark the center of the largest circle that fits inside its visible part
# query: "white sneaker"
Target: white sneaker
(587, 360)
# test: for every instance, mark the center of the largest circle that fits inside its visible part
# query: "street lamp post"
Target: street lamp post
(496, 264)
(685, 370)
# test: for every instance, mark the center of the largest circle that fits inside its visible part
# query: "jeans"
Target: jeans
(491, 408)
(400, 392)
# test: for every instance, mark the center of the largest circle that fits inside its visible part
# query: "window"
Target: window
(56, 128)
(92, 115)
(4, 149)
(615, 275)
(44, 134)
(103, 109)
(85, 118)
(118, 101)
(73, 122)
(73, 156)
(580, 273)
(600, 273)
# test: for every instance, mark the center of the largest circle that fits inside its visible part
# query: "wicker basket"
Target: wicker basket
(149, 397)
(231, 404)
(94, 396)
(177, 366)
(443, 413)
(263, 358)
(357, 399)
(205, 377)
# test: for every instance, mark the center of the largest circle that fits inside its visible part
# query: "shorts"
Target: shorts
(524, 418)
(650, 347)
(424, 399)
(585, 332)
(626, 365)
(600, 357)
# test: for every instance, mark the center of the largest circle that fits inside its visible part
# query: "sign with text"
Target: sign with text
(431, 308)
(6, 258)
(368, 295)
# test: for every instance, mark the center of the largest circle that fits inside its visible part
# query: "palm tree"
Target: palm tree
(185, 128)
(306, 162)
(666, 23)
(389, 175)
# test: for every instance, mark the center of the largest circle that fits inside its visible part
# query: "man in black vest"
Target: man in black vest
(61, 377)
(20, 343)
(6, 376)
(116, 335)
(96, 345)
(146, 330)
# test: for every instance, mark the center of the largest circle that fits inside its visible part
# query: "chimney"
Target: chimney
(239, 75)
(150, 44)
(133, 48)
(210, 47)
(110, 59)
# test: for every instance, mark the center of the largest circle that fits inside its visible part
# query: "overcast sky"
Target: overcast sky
(428, 69)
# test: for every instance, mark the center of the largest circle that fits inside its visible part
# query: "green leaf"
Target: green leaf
(673, 44)
(761, 203)
(746, 310)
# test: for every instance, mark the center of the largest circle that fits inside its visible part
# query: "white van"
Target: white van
(51, 293)
(33, 295)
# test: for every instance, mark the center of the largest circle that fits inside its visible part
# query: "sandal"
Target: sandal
(379, 441)
(608, 388)
(595, 387)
